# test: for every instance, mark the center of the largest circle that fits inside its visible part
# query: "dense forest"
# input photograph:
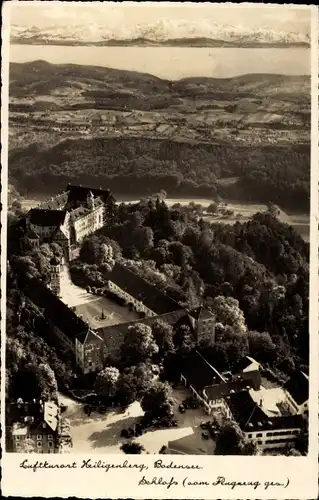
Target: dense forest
(144, 166)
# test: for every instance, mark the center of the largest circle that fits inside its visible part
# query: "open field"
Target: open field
(101, 433)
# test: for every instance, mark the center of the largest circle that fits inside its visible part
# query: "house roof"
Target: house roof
(245, 362)
(298, 387)
(251, 417)
(141, 290)
(45, 217)
(200, 373)
(224, 389)
(90, 337)
(201, 313)
(31, 235)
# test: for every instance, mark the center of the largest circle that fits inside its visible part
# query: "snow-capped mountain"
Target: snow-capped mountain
(159, 32)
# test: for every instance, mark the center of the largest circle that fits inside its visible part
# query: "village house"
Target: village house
(272, 417)
(36, 426)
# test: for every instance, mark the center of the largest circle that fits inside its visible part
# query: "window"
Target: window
(39, 437)
(18, 446)
(17, 438)
(39, 444)
(250, 435)
(28, 436)
(50, 436)
(269, 434)
(50, 444)
(259, 442)
(259, 435)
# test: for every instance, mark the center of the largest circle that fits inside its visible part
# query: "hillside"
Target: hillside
(121, 125)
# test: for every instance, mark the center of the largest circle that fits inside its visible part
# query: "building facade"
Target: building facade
(36, 427)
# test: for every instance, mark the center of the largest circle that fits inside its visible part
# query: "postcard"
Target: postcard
(159, 238)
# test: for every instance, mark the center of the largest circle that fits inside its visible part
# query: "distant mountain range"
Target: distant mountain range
(158, 35)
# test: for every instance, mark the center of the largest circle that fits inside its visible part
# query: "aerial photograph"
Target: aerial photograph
(158, 228)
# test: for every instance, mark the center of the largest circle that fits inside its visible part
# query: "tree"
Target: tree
(106, 381)
(139, 344)
(47, 381)
(212, 208)
(143, 239)
(261, 347)
(230, 440)
(157, 402)
(27, 446)
(163, 335)
(228, 313)
(132, 448)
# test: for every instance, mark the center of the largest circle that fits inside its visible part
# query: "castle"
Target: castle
(69, 217)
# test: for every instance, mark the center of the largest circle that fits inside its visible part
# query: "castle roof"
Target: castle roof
(80, 193)
(46, 217)
(54, 309)
(141, 290)
(201, 313)
(298, 387)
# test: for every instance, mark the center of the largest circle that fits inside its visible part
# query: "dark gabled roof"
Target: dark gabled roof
(32, 235)
(201, 313)
(57, 203)
(54, 309)
(245, 362)
(224, 389)
(141, 290)
(298, 387)
(89, 337)
(40, 217)
(79, 193)
(199, 373)
(250, 417)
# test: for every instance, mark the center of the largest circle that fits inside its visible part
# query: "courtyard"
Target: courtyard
(101, 433)
(98, 311)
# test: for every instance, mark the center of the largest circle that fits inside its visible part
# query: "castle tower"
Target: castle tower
(55, 275)
(90, 200)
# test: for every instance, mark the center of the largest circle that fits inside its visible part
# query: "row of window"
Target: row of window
(271, 441)
(276, 433)
(39, 444)
(39, 437)
(280, 433)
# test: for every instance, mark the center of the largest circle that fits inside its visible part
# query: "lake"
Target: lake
(174, 63)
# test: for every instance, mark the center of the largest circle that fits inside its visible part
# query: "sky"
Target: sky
(167, 17)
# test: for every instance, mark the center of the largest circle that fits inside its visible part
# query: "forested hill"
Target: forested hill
(246, 137)
(141, 166)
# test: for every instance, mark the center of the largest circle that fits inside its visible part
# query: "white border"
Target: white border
(96, 483)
